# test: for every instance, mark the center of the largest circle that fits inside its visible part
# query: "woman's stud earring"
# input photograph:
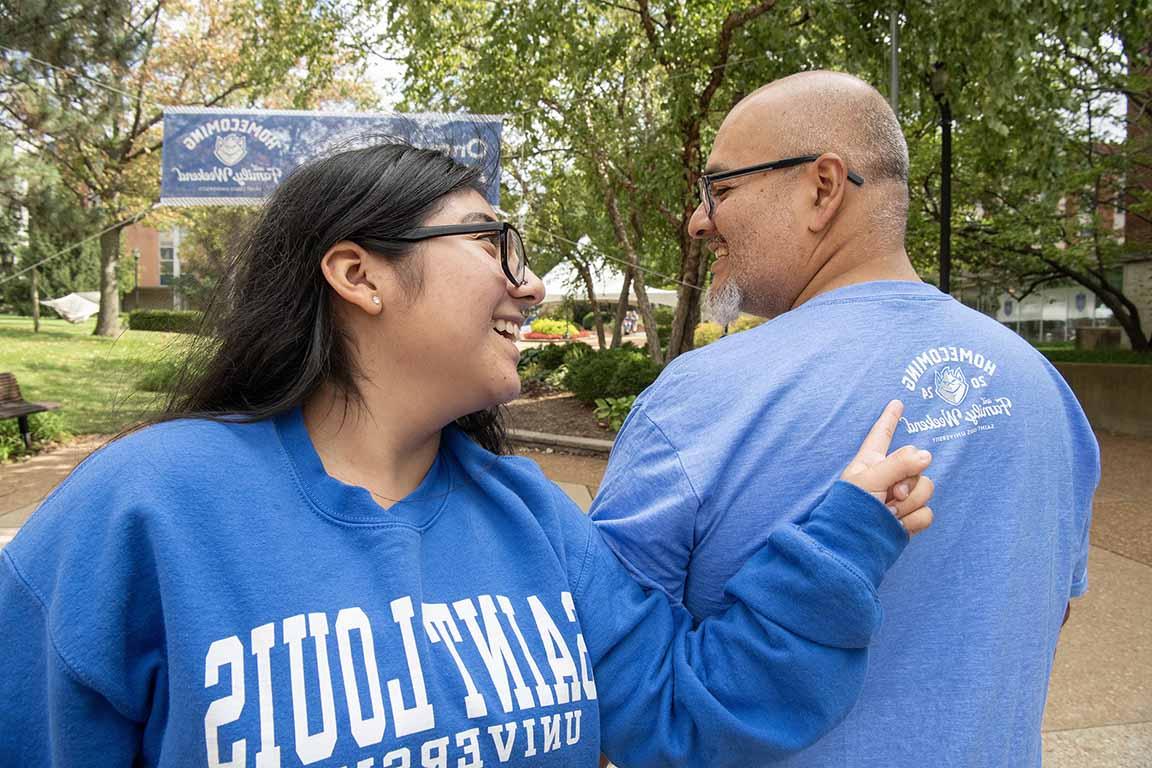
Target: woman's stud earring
(375, 299)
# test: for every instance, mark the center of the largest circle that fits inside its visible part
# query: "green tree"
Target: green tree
(616, 103)
(1044, 163)
(627, 95)
(94, 112)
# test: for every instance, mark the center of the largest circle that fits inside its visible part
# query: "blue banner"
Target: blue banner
(236, 157)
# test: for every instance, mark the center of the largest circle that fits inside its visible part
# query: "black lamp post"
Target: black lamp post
(939, 84)
(136, 282)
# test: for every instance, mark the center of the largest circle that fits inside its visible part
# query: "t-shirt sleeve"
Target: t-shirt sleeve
(765, 678)
(1084, 455)
(1089, 463)
(646, 506)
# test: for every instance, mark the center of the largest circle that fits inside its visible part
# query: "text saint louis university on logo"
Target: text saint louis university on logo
(959, 382)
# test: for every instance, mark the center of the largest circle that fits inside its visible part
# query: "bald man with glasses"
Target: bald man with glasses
(804, 204)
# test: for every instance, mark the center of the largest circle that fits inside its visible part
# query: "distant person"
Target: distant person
(631, 319)
(319, 556)
(803, 203)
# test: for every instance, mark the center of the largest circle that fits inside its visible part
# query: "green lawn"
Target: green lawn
(93, 378)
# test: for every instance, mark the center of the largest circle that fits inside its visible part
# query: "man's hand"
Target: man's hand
(895, 479)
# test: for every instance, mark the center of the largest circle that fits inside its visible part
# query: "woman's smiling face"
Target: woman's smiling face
(458, 331)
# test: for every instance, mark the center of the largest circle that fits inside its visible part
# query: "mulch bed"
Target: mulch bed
(556, 414)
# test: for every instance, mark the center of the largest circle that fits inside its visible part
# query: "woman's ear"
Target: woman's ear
(346, 268)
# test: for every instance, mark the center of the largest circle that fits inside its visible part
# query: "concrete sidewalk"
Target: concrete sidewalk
(1099, 712)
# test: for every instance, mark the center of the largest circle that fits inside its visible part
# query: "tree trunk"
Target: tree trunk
(1129, 319)
(621, 310)
(650, 333)
(692, 271)
(620, 228)
(1124, 310)
(590, 288)
(108, 319)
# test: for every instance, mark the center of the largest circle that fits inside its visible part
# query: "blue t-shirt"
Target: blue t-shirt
(205, 594)
(733, 439)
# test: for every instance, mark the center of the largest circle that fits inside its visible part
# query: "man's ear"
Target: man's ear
(346, 267)
(829, 178)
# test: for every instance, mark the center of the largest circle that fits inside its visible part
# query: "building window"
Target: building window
(167, 264)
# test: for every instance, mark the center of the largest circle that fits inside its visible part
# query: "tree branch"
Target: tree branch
(650, 32)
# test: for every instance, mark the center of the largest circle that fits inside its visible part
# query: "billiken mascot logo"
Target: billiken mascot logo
(231, 149)
(951, 385)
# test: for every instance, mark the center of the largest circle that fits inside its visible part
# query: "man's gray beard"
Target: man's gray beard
(724, 303)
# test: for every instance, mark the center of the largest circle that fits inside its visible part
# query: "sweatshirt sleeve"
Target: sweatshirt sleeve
(769, 676)
(48, 715)
(81, 626)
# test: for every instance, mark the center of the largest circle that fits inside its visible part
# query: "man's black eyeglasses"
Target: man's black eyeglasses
(513, 257)
(705, 183)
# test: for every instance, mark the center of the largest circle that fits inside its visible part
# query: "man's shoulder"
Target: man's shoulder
(725, 354)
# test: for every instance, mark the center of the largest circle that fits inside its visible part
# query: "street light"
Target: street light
(939, 85)
(136, 282)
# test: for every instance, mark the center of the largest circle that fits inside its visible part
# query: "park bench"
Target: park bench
(13, 406)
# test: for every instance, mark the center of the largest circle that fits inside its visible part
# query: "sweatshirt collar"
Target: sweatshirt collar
(351, 503)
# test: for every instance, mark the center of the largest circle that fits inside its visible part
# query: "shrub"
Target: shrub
(745, 323)
(528, 357)
(610, 373)
(611, 411)
(45, 427)
(706, 333)
(554, 327)
(531, 373)
(168, 320)
(552, 356)
(663, 315)
(633, 375)
(1113, 356)
(555, 380)
(576, 351)
(589, 321)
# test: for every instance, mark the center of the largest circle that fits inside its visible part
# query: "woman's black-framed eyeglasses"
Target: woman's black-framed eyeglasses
(705, 182)
(513, 257)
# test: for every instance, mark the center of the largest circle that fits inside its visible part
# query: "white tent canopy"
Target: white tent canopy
(564, 281)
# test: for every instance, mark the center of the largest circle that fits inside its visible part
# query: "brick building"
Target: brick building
(156, 255)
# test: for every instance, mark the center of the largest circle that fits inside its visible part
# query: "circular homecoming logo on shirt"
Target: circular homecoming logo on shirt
(955, 400)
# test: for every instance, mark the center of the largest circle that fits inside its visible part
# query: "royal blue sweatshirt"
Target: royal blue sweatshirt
(204, 594)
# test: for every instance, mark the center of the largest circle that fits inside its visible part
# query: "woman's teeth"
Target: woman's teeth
(507, 329)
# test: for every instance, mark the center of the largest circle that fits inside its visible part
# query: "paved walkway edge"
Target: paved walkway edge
(545, 440)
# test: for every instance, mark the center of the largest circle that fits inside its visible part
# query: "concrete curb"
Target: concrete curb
(564, 442)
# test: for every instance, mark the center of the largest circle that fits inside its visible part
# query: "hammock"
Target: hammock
(75, 307)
